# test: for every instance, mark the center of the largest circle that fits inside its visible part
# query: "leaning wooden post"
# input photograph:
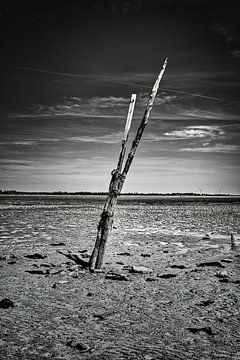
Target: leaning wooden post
(106, 219)
(117, 182)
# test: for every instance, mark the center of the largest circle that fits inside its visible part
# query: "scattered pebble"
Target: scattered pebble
(6, 303)
(78, 345)
(57, 244)
(35, 256)
(206, 302)
(145, 255)
(206, 237)
(176, 266)
(140, 270)
(166, 276)
(210, 263)
(38, 272)
(206, 329)
(151, 279)
(227, 260)
(222, 274)
(115, 276)
(124, 254)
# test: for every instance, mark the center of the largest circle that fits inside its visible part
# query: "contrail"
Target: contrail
(89, 76)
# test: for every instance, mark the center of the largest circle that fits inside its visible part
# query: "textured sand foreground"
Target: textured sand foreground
(186, 308)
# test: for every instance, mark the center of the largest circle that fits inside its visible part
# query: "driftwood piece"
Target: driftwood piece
(75, 258)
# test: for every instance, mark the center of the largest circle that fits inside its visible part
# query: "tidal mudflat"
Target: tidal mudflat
(168, 291)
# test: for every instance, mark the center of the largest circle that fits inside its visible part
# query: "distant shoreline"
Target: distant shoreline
(92, 193)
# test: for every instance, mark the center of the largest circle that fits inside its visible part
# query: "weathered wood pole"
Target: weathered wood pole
(117, 182)
(232, 243)
(106, 218)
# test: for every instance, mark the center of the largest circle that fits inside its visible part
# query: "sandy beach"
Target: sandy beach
(181, 302)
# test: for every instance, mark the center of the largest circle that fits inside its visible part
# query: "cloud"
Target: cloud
(112, 138)
(217, 148)
(197, 131)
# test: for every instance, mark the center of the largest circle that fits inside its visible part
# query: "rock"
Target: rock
(82, 251)
(115, 276)
(57, 244)
(140, 270)
(89, 294)
(54, 285)
(74, 274)
(38, 272)
(210, 263)
(236, 281)
(224, 280)
(12, 262)
(78, 345)
(6, 303)
(119, 263)
(35, 256)
(47, 265)
(206, 237)
(166, 276)
(8, 257)
(206, 329)
(63, 282)
(176, 266)
(206, 302)
(151, 279)
(227, 260)
(145, 255)
(165, 251)
(222, 274)
(124, 254)
(98, 271)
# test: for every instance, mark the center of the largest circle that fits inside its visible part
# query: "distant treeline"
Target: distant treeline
(16, 192)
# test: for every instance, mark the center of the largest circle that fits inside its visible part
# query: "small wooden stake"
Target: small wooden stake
(232, 242)
(118, 177)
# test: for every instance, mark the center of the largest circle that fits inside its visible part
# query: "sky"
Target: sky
(68, 69)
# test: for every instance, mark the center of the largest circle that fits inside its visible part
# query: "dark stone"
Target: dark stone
(206, 237)
(38, 272)
(35, 256)
(124, 254)
(211, 263)
(78, 345)
(82, 251)
(151, 279)
(12, 262)
(120, 277)
(145, 255)
(225, 280)
(90, 294)
(166, 276)
(206, 302)
(6, 303)
(119, 263)
(227, 260)
(236, 281)
(175, 266)
(206, 329)
(57, 244)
